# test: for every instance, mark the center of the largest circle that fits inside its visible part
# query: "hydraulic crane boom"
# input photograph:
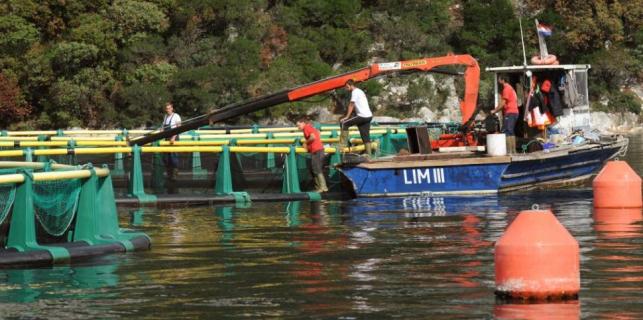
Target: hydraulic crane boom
(467, 106)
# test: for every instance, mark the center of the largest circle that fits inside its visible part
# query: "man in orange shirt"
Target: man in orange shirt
(509, 105)
(313, 143)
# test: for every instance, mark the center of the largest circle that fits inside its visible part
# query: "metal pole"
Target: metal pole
(522, 41)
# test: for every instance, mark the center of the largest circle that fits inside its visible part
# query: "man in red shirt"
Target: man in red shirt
(312, 143)
(509, 105)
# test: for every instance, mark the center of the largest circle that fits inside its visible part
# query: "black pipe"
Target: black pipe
(222, 114)
(78, 251)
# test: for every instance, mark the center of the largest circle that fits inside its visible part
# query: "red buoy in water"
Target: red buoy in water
(537, 259)
(617, 186)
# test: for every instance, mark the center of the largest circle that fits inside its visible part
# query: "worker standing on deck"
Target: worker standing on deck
(313, 143)
(509, 105)
(171, 160)
(362, 118)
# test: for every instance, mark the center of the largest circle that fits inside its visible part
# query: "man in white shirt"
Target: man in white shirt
(171, 160)
(362, 118)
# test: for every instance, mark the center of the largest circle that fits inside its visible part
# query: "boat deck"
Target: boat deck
(446, 159)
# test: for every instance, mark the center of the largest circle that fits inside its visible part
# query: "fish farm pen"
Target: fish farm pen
(52, 214)
(216, 165)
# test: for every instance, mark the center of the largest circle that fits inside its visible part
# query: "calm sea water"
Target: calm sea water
(367, 258)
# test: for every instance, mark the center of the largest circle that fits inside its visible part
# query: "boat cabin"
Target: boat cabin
(552, 96)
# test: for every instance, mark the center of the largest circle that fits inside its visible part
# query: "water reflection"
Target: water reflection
(569, 310)
(30, 285)
(410, 257)
(615, 223)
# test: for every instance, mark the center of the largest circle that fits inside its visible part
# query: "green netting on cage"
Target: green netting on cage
(398, 142)
(7, 195)
(55, 204)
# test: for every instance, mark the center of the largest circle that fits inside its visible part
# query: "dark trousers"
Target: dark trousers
(363, 124)
(317, 162)
(509, 124)
(171, 160)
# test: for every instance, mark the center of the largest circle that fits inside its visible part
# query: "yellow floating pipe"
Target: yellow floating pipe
(181, 149)
(72, 174)
(286, 129)
(196, 143)
(74, 132)
(31, 133)
(264, 149)
(52, 152)
(12, 153)
(210, 131)
(11, 178)
(265, 141)
(49, 152)
(102, 150)
(138, 131)
(54, 175)
(83, 138)
(100, 143)
(240, 131)
(233, 136)
(324, 133)
(19, 138)
(43, 144)
(32, 165)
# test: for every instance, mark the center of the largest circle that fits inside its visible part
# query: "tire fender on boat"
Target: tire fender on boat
(549, 59)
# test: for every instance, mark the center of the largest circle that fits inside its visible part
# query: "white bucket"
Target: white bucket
(496, 144)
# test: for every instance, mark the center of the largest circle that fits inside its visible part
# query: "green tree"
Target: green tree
(16, 35)
(131, 17)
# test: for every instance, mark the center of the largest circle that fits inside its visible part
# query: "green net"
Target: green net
(55, 204)
(7, 195)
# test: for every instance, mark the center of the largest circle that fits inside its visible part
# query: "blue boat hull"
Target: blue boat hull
(482, 175)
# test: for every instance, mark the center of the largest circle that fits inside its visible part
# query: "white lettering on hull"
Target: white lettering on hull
(424, 176)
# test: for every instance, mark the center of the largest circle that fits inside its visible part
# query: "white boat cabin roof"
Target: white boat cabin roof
(513, 69)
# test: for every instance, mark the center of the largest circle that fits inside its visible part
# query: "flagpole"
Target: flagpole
(541, 43)
(522, 41)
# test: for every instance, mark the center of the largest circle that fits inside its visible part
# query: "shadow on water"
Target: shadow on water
(411, 257)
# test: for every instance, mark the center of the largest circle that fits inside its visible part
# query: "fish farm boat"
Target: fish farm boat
(474, 171)
(577, 155)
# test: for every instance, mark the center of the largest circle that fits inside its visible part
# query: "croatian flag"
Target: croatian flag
(544, 30)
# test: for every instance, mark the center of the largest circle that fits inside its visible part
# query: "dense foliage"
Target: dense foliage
(112, 63)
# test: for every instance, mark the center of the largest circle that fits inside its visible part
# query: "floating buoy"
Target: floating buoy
(537, 259)
(617, 223)
(549, 59)
(617, 186)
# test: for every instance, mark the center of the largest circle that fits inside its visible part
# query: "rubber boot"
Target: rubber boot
(511, 144)
(320, 183)
(368, 149)
(343, 139)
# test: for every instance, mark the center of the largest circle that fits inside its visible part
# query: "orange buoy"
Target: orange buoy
(617, 186)
(617, 223)
(537, 259)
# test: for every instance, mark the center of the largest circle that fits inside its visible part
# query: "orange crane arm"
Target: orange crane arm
(467, 106)
(471, 78)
